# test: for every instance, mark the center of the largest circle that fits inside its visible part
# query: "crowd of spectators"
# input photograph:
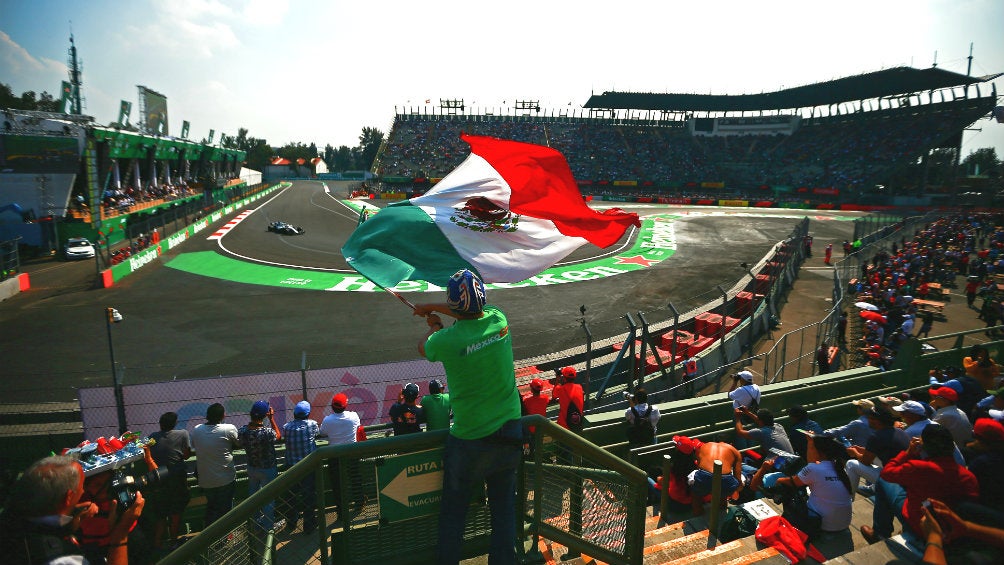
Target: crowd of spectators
(848, 152)
(899, 291)
(122, 200)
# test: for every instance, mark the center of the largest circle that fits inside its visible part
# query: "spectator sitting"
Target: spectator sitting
(828, 507)
(884, 444)
(800, 422)
(909, 479)
(765, 431)
(947, 414)
(857, 432)
(985, 455)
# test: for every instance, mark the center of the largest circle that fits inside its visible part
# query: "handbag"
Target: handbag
(737, 523)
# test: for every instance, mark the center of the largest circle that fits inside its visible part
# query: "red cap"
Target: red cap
(537, 384)
(339, 400)
(568, 372)
(687, 445)
(988, 429)
(945, 392)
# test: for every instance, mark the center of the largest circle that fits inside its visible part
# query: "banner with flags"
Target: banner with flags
(508, 212)
(184, 129)
(66, 100)
(125, 110)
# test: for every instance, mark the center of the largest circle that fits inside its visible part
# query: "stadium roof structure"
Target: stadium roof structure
(898, 81)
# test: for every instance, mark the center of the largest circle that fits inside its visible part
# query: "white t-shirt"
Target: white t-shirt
(214, 457)
(828, 496)
(745, 396)
(340, 428)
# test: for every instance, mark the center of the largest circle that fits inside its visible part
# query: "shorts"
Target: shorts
(169, 498)
(700, 483)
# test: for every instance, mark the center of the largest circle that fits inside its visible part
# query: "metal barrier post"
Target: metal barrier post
(716, 504)
(589, 355)
(633, 331)
(673, 350)
(667, 464)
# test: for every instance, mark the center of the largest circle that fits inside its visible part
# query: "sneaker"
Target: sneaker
(867, 490)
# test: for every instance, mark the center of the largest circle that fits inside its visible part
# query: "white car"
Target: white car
(78, 248)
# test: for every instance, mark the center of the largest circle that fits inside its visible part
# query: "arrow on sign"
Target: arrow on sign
(403, 485)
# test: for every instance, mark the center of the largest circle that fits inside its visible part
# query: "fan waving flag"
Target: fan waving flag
(508, 212)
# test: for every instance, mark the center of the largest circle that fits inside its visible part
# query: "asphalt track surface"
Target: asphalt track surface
(181, 324)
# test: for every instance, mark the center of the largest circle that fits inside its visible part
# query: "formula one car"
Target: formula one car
(284, 228)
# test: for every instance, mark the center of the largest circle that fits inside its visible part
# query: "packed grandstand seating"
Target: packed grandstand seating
(847, 152)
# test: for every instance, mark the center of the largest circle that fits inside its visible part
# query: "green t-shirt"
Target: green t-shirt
(477, 357)
(437, 411)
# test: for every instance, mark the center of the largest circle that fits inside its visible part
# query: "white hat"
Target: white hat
(745, 375)
(912, 407)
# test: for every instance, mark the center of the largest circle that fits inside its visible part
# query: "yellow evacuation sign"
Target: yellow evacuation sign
(410, 485)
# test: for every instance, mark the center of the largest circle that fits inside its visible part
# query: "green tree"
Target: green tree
(983, 161)
(370, 141)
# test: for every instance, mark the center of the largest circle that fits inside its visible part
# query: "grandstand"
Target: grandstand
(829, 143)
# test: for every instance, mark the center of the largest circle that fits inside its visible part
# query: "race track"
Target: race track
(238, 303)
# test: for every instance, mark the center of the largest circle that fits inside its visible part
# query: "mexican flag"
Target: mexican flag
(508, 212)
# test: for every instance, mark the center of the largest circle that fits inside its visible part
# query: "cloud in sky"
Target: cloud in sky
(319, 71)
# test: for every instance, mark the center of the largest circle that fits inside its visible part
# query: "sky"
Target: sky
(320, 71)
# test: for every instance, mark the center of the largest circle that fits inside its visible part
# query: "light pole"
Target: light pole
(112, 316)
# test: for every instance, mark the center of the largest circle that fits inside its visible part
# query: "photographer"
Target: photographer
(44, 512)
(828, 505)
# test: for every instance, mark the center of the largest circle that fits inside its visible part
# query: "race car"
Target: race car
(284, 228)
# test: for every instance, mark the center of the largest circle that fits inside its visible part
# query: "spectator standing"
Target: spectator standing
(436, 406)
(214, 443)
(908, 479)
(926, 323)
(842, 328)
(485, 443)
(258, 441)
(744, 394)
(43, 511)
(406, 415)
(301, 440)
(946, 413)
(166, 503)
(568, 393)
(857, 432)
(823, 358)
(800, 422)
(642, 419)
(534, 402)
(341, 427)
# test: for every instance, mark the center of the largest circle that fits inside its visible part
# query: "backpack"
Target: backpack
(641, 432)
(573, 417)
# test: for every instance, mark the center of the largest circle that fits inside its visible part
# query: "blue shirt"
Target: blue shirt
(300, 436)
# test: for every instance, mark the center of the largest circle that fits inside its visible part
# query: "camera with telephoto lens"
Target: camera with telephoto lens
(787, 463)
(628, 395)
(124, 487)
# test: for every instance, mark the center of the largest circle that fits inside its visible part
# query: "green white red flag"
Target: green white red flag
(508, 212)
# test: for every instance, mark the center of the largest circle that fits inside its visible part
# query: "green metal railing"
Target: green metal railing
(569, 490)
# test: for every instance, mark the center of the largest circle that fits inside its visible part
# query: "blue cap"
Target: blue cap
(953, 384)
(302, 409)
(465, 293)
(260, 408)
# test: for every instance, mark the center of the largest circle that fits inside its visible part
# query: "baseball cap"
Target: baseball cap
(302, 409)
(953, 384)
(410, 391)
(945, 392)
(863, 403)
(890, 402)
(988, 429)
(911, 407)
(745, 375)
(435, 386)
(687, 445)
(340, 400)
(537, 384)
(569, 373)
(465, 293)
(260, 408)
